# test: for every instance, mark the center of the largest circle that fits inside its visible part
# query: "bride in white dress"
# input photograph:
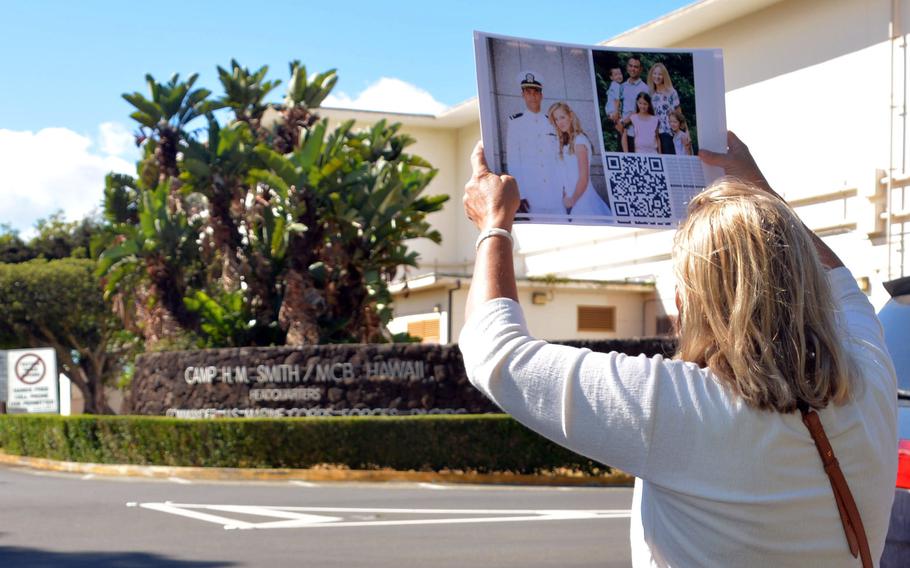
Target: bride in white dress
(573, 156)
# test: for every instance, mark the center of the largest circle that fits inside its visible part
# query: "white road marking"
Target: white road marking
(180, 480)
(394, 510)
(88, 476)
(432, 486)
(303, 517)
(229, 523)
(303, 483)
(184, 512)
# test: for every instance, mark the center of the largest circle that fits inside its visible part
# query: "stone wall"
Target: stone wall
(322, 380)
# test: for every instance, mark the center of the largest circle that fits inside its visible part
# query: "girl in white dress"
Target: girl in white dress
(573, 155)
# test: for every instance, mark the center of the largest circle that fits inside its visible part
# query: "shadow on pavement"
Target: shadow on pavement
(15, 557)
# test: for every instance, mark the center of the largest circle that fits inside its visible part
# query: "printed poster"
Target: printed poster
(600, 135)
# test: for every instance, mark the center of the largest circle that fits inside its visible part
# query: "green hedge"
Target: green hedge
(482, 443)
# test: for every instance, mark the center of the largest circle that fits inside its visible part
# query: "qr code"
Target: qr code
(638, 186)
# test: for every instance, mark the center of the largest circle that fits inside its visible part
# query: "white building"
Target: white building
(817, 88)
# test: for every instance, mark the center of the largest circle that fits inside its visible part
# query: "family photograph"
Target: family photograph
(647, 102)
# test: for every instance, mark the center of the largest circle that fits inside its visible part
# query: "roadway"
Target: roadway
(68, 520)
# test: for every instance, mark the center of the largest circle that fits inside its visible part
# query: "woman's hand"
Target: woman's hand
(737, 162)
(490, 200)
(567, 201)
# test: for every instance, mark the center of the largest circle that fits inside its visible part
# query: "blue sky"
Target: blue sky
(65, 64)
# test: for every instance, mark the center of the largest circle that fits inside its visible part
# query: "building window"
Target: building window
(427, 330)
(596, 318)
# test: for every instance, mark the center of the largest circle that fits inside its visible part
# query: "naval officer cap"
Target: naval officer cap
(530, 79)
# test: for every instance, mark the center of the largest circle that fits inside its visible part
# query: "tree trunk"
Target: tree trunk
(224, 231)
(303, 303)
(89, 385)
(300, 309)
(93, 393)
(168, 292)
(153, 321)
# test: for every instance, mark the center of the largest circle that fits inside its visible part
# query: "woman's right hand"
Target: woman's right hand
(490, 200)
(737, 162)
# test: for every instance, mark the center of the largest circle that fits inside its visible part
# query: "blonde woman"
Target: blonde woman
(573, 157)
(770, 322)
(665, 100)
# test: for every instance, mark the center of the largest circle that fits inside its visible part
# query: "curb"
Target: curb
(313, 474)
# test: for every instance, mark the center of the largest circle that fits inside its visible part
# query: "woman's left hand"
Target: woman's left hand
(490, 200)
(567, 200)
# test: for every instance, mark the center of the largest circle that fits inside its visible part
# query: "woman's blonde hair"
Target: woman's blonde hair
(565, 138)
(666, 85)
(755, 305)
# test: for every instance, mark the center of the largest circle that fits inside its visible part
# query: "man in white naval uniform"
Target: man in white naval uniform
(531, 152)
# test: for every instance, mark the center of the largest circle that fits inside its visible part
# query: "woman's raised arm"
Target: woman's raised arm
(739, 163)
(490, 202)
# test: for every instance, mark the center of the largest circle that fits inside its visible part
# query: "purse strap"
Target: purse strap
(846, 506)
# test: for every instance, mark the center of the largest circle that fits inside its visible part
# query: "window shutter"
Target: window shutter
(596, 318)
(427, 330)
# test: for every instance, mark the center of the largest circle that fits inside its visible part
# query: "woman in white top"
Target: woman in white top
(770, 320)
(573, 157)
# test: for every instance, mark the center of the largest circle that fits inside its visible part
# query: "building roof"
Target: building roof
(687, 22)
(436, 280)
(456, 116)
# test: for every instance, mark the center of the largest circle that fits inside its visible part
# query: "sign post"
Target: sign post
(3, 388)
(32, 381)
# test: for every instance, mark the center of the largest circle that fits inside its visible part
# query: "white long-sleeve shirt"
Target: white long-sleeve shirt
(719, 483)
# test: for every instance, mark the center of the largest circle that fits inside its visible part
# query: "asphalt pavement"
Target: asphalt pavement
(75, 520)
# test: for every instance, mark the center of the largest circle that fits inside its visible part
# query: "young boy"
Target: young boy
(614, 95)
(613, 106)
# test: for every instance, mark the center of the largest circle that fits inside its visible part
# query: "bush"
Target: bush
(481, 443)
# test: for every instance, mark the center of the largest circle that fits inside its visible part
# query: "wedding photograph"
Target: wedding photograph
(547, 129)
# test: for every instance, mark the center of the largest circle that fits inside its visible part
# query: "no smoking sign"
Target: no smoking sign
(32, 381)
(30, 368)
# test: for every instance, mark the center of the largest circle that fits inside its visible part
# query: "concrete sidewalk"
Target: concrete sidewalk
(328, 473)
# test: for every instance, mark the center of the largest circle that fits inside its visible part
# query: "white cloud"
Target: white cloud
(389, 95)
(115, 139)
(58, 169)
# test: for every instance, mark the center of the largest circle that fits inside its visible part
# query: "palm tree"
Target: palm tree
(245, 91)
(163, 117)
(160, 251)
(271, 228)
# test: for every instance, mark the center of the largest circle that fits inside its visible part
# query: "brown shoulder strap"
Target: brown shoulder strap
(846, 506)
